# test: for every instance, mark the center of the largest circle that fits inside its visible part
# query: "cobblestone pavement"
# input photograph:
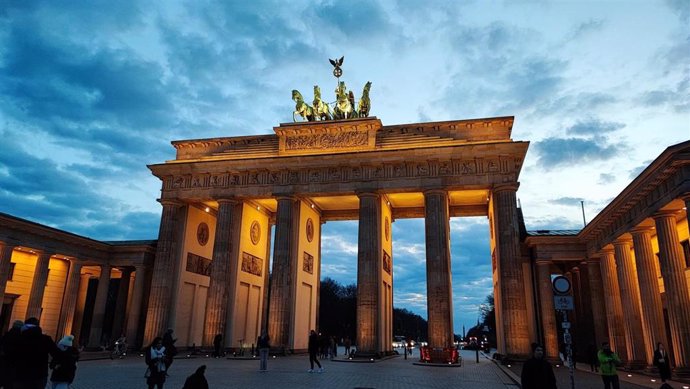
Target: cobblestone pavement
(291, 372)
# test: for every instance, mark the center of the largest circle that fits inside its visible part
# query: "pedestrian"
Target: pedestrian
(661, 362)
(154, 356)
(313, 350)
(197, 380)
(331, 347)
(217, 343)
(64, 367)
(264, 345)
(537, 373)
(608, 360)
(170, 349)
(7, 346)
(347, 343)
(30, 355)
(593, 358)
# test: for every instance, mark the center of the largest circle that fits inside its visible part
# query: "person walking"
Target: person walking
(593, 358)
(197, 380)
(154, 355)
(537, 373)
(661, 362)
(30, 355)
(347, 343)
(170, 349)
(313, 350)
(217, 343)
(608, 360)
(64, 367)
(7, 347)
(263, 344)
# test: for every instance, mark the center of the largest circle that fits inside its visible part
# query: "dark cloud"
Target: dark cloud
(677, 97)
(593, 127)
(554, 222)
(558, 152)
(680, 7)
(634, 172)
(606, 178)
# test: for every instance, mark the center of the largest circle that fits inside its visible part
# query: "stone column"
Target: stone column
(630, 300)
(548, 312)
(586, 329)
(438, 273)
(597, 298)
(136, 306)
(614, 308)
(652, 308)
(121, 304)
(99, 307)
(676, 288)
(38, 286)
(511, 280)
(162, 280)
(69, 299)
(368, 268)
(79, 308)
(221, 267)
(5, 260)
(284, 273)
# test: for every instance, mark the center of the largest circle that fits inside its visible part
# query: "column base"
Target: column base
(636, 365)
(681, 372)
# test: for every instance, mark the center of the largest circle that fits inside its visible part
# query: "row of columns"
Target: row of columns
(68, 322)
(632, 299)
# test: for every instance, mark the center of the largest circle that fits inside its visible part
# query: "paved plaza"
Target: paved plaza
(291, 372)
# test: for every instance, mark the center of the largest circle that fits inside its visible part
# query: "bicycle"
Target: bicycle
(119, 350)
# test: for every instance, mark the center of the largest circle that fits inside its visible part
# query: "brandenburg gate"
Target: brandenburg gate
(222, 197)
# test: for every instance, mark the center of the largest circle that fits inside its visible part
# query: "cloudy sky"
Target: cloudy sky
(92, 92)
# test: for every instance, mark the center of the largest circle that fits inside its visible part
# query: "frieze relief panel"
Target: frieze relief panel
(327, 141)
(326, 175)
(251, 264)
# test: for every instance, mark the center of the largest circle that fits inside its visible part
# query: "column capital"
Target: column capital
(441, 191)
(543, 262)
(622, 241)
(173, 202)
(231, 201)
(607, 250)
(641, 230)
(509, 186)
(665, 214)
(285, 196)
(367, 194)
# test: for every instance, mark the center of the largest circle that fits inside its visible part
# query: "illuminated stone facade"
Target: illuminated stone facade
(229, 202)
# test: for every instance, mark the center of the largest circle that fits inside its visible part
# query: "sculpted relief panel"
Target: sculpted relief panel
(327, 140)
(327, 175)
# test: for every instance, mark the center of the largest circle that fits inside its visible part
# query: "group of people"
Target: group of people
(26, 354)
(159, 357)
(537, 373)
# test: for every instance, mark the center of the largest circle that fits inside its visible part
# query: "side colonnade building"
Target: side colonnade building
(228, 203)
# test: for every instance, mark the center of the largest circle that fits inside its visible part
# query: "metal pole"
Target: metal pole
(567, 338)
(477, 351)
(584, 221)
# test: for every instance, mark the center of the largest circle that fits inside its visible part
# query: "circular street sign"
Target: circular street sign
(561, 285)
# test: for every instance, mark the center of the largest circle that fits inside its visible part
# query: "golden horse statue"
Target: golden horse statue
(321, 109)
(364, 103)
(301, 108)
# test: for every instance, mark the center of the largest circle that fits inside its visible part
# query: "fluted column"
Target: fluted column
(676, 288)
(162, 280)
(38, 286)
(597, 298)
(630, 301)
(438, 272)
(511, 280)
(548, 313)
(5, 260)
(368, 268)
(136, 306)
(614, 308)
(121, 303)
(585, 315)
(652, 311)
(218, 291)
(69, 299)
(284, 272)
(99, 307)
(80, 307)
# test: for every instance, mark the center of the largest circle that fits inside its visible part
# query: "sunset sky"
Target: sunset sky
(92, 92)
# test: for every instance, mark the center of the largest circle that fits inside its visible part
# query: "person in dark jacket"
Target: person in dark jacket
(31, 356)
(661, 362)
(313, 350)
(217, 345)
(65, 366)
(7, 346)
(197, 380)
(537, 373)
(170, 349)
(264, 345)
